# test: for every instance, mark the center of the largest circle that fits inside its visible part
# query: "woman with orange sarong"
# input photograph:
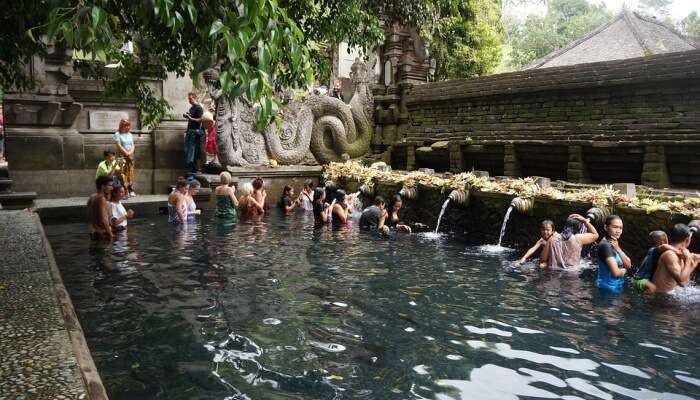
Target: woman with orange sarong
(125, 151)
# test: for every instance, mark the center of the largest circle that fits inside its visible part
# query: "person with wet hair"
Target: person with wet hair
(98, 209)
(306, 197)
(613, 263)
(374, 217)
(259, 192)
(393, 220)
(673, 270)
(563, 249)
(193, 187)
(320, 206)
(247, 204)
(645, 272)
(341, 209)
(546, 232)
(226, 201)
(286, 203)
(118, 214)
(177, 203)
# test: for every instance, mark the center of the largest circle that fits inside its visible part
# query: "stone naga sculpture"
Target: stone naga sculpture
(324, 126)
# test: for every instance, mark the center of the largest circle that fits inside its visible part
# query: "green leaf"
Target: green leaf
(98, 16)
(225, 81)
(216, 27)
(232, 46)
(263, 55)
(192, 11)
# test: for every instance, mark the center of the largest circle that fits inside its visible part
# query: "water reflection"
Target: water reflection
(275, 308)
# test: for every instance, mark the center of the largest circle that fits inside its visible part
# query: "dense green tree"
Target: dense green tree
(690, 25)
(465, 38)
(564, 22)
(659, 7)
(258, 45)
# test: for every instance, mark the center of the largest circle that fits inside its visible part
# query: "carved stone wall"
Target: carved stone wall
(635, 120)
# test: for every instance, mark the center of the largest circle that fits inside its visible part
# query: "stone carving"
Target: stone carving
(326, 126)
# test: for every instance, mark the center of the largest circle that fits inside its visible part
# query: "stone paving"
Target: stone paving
(39, 356)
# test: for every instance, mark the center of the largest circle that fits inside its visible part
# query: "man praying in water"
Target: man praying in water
(672, 270)
(546, 232)
(98, 209)
(374, 217)
(645, 272)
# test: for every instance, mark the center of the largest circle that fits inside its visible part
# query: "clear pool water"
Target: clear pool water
(277, 310)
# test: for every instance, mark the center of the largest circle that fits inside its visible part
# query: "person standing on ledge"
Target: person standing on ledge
(673, 270)
(98, 209)
(193, 137)
(125, 150)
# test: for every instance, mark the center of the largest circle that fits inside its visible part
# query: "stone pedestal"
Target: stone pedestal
(576, 168)
(654, 170)
(511, 166)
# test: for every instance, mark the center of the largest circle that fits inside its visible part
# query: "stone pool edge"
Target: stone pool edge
(92, 381)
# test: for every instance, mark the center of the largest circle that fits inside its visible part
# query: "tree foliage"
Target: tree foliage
(258, 45)
(465, 38)
(690, 25)
(564, 22)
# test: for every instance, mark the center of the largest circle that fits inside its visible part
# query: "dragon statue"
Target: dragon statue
(320, 128)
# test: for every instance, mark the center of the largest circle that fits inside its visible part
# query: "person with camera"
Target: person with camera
(108, 167)
(194, 135)
(125, 150)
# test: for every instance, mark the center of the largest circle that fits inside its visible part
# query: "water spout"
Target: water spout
(442, 212)
(597, 215)
(460, 197)
(408, 193)
(523, 205)
(356, 203)
(330, 212)
(331, 185)
(504, 225)
(367, 190)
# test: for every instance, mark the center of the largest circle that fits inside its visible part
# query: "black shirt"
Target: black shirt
(196, 111)
(370, 218)
(605, 250)
(285, 201)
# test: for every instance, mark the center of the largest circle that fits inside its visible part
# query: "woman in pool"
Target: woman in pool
(192, 190)
(117, 213)
(320, 206)
(177, 203)
(306, 197)
(226, 202)
(247, 204)
(613, 263)
(259, 192)
(395, 204)
(341, 209)
(286, 203)
(563, 249)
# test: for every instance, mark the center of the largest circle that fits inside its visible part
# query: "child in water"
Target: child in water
(643, 275)
(546, 232)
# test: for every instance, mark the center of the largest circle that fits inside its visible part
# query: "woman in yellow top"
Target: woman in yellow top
(125, 149)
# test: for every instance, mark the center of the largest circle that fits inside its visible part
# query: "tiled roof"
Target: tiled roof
(628, 35)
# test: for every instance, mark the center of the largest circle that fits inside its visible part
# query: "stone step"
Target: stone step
(17, 200)
(4, 172)
(5, 184)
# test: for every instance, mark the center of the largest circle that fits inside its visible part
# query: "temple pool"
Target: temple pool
(276, 310)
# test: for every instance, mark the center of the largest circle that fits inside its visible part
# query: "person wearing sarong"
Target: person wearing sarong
(125, 151)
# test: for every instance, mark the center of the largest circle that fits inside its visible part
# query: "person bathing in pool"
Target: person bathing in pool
(546, 232)
(563, 249)
(671, 270)
(645, 273)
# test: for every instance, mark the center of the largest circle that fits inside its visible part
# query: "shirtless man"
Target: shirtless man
(673, 270)
(98, 209)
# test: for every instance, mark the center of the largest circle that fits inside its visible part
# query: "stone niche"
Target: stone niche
(57, 132)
